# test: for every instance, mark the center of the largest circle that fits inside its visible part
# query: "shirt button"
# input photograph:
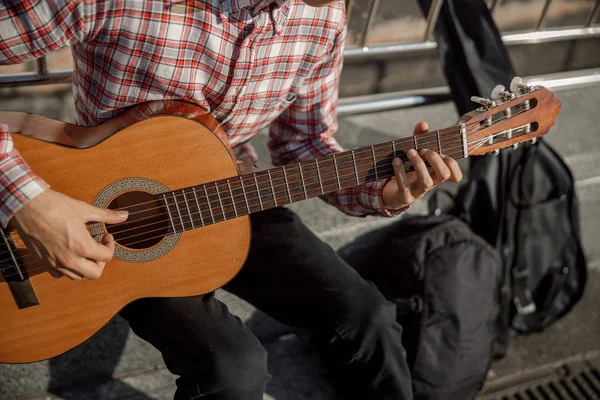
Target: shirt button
(225, 14)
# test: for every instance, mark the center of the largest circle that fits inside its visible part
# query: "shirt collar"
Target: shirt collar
(231, 7)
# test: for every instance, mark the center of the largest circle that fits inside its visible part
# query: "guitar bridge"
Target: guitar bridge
(16, 277)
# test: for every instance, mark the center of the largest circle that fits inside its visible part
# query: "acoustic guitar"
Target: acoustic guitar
(188, 232)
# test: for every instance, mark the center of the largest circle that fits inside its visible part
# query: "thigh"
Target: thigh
(297, 278)
(201, 341)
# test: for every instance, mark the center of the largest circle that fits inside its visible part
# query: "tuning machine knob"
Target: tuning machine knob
(500, 93)
(517, 86)
(486, 103)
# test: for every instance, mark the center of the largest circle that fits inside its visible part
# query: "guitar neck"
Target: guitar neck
(225, 199)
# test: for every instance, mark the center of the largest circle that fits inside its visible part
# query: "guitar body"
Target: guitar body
(175, 151)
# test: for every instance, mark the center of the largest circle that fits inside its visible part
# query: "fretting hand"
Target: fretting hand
(406, 188)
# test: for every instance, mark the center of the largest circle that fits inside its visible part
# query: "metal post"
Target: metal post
(493, 6)
(591, 16)
(373, 5)
(42, 66)
(544, 12)
(349, 7)
(432, 17)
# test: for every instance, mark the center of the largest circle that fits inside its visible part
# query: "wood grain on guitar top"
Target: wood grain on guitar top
(174, 151)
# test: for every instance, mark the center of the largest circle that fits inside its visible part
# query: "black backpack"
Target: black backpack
(513, 197)
(445, 281)
(523, 202)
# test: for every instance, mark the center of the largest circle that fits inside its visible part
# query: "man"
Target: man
(251, 63)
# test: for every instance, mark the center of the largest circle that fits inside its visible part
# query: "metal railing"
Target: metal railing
(363, 52)
(404, 99)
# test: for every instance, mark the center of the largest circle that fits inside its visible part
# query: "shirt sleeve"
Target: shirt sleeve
(306, 131)
(18, 183)
(32, 28)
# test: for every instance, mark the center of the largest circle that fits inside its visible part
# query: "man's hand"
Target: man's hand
(52, 226)
(405, 188)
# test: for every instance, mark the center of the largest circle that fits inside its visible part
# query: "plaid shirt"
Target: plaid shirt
(251, 63)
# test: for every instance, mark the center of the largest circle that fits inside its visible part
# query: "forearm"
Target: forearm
(18, 183)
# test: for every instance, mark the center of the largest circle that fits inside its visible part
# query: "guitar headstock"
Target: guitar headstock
(510, 117)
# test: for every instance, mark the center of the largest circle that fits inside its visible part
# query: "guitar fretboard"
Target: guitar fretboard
(225, 199)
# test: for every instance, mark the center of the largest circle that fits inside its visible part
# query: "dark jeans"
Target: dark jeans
(296, 278)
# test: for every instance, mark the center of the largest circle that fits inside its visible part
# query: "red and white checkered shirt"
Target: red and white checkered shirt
(251, 63)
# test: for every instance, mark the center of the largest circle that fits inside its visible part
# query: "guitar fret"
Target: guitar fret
(212, 216)
(178, 211)
(394, 148)
(287, 185)
(319, 175)
(198, 205)
(245, 197)
(272, 188)
(188, 210)
(337, 175)
(415, 143)
(374, 162)
(355, 170)
(302, 179)
(439, 143)
(232, 200)
(220, 201)
(258, 193)
(169, 212)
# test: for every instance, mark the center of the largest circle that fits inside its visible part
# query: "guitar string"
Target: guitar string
(236, 183)
(230, 204)
(478, 143)
(42, 268)
(129, 244)
(381, 169)
(410, 140)
(432, 134)
(235, 203)
(380, 146)
(22, 256)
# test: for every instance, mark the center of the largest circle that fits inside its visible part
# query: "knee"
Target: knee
(235, 370)
(370, 318)
(241, 370)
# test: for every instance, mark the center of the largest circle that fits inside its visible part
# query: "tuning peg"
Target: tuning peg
(486, 103)
(515, 146)
(500, 93)
(496, 152)
(517, 85)
(497, 92)
(533, 141)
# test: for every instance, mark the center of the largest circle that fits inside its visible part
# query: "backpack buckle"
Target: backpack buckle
(524, 302)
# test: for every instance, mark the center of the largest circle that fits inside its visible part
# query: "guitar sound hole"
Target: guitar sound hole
(146, 225)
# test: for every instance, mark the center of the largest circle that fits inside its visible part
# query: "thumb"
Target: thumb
(96, 214)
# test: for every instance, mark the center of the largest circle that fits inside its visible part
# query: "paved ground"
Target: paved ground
(115, 364)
